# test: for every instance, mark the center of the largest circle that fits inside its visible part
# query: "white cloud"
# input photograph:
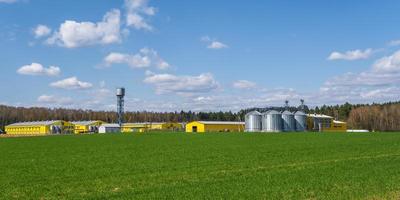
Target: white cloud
(217, 45)
(182, 85)
(41, 31)
(144, 59)
(244, 84)
(213, 43)
(71, 83)
(394, 43)
(8, 1)
(351, 55)
(36, 69)
(72, 34)
(51, 99)
(380, 83)
(388, 63)
(136, 12)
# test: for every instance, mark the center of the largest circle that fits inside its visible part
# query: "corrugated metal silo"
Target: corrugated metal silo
(289, 123)
(264, 121)
(274, 121)
(253, 122)
(301, 121)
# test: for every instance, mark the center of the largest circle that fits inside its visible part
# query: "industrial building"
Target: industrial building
(109, 128)
(86, 126)
(214, 126)
(40, 128)
(151, 126)
(317, 122)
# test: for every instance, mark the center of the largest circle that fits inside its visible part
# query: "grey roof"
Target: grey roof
(35, 123)
(300, 113)
(110, 125)
(84, 123)
(273, 112)
(253, 113)
(286, 112)
(221, 122)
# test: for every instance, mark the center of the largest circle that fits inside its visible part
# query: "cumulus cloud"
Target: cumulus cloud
(36, 69)
(380, 83)
(137, 11)
(394, 43)
(213, 43)
(144, 59)
(182, 85)
(41, 31)
(244, 84)
(51, 99)
(388, 63)
(71, 84)
(72, 34)
(351, 55)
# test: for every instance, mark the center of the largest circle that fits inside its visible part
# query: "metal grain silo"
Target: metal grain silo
(274, 121)
(289, 123)
(264, 121)
(253, 122)
(301, 121)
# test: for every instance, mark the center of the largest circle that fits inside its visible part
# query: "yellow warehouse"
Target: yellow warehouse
(86, 126)
(149, 126)
(40, 128)
(214, 126)
(326, 123)
(134, 127)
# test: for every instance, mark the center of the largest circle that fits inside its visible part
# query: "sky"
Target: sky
(207, 55)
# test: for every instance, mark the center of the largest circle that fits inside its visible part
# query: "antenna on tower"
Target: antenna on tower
(302, 107)
(287, 104)
(120, 105)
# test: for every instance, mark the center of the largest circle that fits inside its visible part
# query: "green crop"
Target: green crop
(202, 166)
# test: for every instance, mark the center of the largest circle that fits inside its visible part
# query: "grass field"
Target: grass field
(187, 166)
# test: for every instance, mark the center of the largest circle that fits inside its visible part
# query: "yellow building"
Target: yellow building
(86, 126)
(325, 123)
(214, 126)
(40, 128)
(151, 126)
(134, 127)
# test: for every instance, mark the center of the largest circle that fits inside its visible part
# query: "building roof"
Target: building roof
(36, 123)
(84, 123)
(339, 122)
(221, 122)
(286, 112)
(110, 125)
(253, 113)
(319, 116)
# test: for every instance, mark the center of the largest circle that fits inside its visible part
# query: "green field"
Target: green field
(212, 166)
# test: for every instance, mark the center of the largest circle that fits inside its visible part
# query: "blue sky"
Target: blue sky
(198, 55)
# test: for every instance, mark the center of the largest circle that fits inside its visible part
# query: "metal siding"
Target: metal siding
(289, 123)
(301, 121)
(253, 122)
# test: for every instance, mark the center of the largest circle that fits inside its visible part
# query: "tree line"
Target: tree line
(383, 117)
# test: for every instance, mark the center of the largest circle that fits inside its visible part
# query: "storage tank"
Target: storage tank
(273, 121)
(289, 123)
(264, 121)
(253, 122)
(301, 121)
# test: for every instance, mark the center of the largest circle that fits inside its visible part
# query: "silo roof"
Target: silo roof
(286, 112)
(300, 113)
(253, 113)
(273, 112)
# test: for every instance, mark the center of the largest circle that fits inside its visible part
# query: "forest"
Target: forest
(378, 117)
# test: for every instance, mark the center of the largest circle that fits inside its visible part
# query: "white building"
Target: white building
(109, 128)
